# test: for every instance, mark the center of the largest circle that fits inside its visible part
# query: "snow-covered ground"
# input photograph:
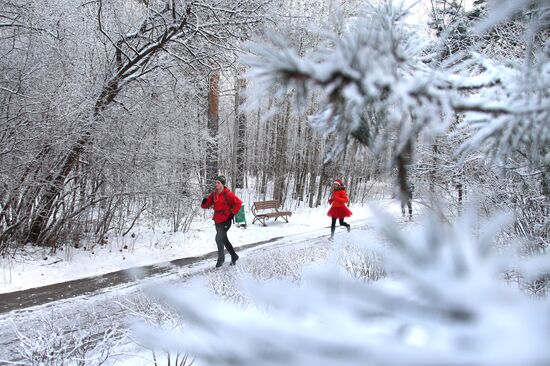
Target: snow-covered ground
(90, 315)
(118, 307)
(29, 269)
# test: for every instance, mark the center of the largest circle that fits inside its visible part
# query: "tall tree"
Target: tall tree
(134, 53)
(212, 147)
(240, 133)
(281, 153)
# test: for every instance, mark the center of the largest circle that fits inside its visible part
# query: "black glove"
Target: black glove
(204, 200)
(231, 216)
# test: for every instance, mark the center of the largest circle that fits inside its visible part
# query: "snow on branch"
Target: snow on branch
(371, 66)
(445, 303)
(373, 79)
(501, 10)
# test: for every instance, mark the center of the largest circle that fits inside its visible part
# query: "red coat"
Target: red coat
(338, 209)
(225, 203)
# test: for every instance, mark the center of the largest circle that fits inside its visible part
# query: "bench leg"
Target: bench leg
(262, 221)
(285, 218)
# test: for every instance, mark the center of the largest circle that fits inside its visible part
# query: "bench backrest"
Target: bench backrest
(264, 205)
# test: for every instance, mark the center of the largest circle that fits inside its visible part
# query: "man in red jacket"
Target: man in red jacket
(226, 205)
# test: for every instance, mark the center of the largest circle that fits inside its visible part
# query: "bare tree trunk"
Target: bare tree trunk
(256, 156)
(352, 190)
(262, 157)
(54, 186)
(313, 173)
(263, 186)
(281, 155)
(235, 141)
(240, 123)
(301, 165)
(545, 177)
(203, 158)
(433, 170)
(278, 161)
(212, 148)
(322, 183)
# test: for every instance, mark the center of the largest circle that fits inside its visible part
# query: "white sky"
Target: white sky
(421, 7)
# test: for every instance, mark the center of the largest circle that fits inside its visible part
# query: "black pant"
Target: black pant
(333, 226)
(222, 241)
(408, 202)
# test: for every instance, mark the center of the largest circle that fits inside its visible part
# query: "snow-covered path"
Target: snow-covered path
(41, 295)
(70, 304)
(146, 246)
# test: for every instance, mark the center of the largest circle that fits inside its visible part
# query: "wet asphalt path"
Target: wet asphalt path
(42, 295)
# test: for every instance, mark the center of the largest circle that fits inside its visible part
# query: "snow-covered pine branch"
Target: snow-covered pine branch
(377, 64)
(446, 304)
(372, 66)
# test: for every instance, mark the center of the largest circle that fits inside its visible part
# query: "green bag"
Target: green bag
(240, 217)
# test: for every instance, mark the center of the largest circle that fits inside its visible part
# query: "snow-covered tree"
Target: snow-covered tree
(97, 100)
(377, 77)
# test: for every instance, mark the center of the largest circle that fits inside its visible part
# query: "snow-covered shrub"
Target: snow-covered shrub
(59, 341)
(363, 263)
(286, 262)
(155, 312)
(445, 303)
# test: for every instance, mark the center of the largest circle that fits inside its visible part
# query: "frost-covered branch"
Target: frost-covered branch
(445, 304)
(376, 65)
(59, 341)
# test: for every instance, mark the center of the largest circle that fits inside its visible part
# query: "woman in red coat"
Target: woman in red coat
(338, 209)
(226, 205)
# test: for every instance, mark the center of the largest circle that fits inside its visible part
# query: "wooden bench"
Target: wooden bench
(264, 216)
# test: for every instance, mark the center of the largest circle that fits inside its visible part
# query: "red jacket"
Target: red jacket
(225, 203)
(339, 198)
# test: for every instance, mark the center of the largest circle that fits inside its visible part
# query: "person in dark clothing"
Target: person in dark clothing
(338, 209)
(407, 200)
(226, 205)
